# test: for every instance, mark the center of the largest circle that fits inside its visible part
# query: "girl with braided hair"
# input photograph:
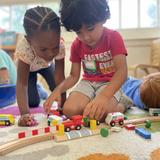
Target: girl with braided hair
(40, 51)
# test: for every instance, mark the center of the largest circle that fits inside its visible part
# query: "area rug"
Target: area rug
(15, 111)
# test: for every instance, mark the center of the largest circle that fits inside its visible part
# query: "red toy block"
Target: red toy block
(54, 112)
(34, 132)
(130, 127)
(47, 129)
(21, 135)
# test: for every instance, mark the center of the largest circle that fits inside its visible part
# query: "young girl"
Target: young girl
(35, 53)
(103, 56)
(144, 92)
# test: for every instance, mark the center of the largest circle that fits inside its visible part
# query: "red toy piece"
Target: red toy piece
(21, 135)
(74, 123)
(130, 127)
(34, 132)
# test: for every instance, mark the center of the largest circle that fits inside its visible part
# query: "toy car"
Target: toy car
(6, 119)
(154, 111)
(113, 118)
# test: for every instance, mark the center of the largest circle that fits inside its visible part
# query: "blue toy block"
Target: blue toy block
(143, 133)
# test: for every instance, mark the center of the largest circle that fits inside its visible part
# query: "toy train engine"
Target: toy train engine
(75, 122)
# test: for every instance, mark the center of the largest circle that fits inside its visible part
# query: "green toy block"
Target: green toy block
(148, 124)
(104, 132)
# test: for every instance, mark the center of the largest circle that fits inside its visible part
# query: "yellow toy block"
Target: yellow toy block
(54, 122)
(93, 124)
(61, 129)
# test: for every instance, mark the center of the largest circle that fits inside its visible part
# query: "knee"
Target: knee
(70, 110)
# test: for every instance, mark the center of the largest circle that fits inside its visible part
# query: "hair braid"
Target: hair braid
(40, 18)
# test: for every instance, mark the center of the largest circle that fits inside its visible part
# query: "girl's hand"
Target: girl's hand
(55, 96)
(96, 109)
(27, 120)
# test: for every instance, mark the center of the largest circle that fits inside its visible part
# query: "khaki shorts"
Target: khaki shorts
(91, 89)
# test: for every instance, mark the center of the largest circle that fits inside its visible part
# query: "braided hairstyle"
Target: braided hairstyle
(40, 18)
(75, 13)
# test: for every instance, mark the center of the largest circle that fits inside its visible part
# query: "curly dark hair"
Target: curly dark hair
(40, 18)
(75, 13)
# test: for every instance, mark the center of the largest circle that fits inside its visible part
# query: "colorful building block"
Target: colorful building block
(148, 123)
(46, 129)
(130, 127)
(93, 124)
(104, 132)
(34, 132)
(143, 133)
(61, 129)
(21, 135)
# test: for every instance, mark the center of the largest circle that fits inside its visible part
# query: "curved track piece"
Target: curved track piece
(19, 143)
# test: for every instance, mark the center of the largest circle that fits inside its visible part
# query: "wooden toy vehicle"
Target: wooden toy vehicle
(6, 119)
(154, 111)
(113, 118)
(75, 122)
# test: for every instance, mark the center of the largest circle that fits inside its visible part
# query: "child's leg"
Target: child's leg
(79, 98)
(48, 74)
(33, 96)
(114, 104)
(75, 104)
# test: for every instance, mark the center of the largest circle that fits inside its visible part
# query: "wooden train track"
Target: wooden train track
(19, 143)
(142, 120)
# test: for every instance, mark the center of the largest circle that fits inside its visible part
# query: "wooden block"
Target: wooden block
(130, 127)
(60, 138)
(46, 129)
(143, 133)
(21, 135)
(34, 132)
(93, 124)
(60, 129)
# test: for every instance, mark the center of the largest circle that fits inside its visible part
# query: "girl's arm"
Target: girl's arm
(72, 79)
(59, 71)
(60, 76)
(62, 87)
(22, 87)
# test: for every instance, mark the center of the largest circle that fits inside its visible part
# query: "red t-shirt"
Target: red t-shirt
(98, 62)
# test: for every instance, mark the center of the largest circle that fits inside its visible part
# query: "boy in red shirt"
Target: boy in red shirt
(103, 56)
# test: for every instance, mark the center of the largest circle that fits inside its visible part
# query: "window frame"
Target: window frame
(131, 33)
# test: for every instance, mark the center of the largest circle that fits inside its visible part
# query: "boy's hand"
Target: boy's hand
(96, 108)
(55, 96)
(27, 120)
